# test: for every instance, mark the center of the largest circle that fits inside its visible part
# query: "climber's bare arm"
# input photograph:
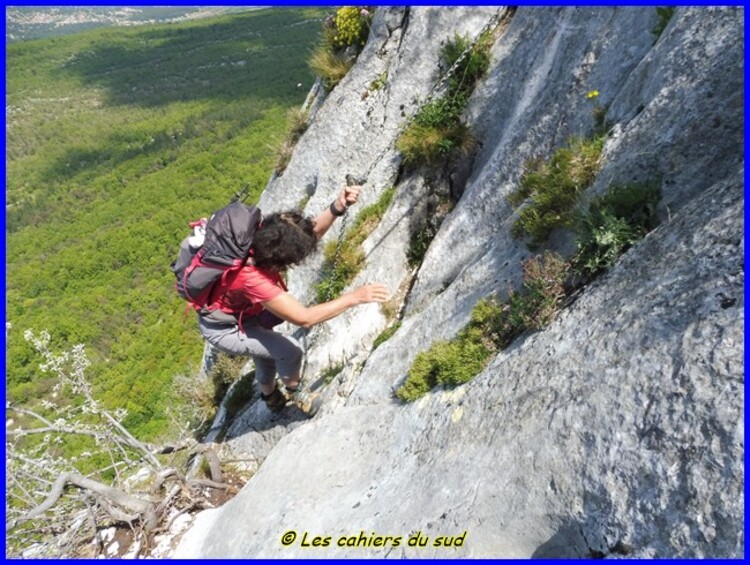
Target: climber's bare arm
(288, 308)
(349, 195)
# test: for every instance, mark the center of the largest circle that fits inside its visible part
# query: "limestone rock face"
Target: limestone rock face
(617, 430)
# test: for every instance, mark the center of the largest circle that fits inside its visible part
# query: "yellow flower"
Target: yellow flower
(592, 94)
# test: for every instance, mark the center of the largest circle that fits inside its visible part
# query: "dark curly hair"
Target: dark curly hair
(283, 239)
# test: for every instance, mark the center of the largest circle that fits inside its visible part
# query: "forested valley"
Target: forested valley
(115, 139)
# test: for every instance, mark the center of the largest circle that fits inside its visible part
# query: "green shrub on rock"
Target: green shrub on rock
(613, 223)
(493, 326)
(551, 188)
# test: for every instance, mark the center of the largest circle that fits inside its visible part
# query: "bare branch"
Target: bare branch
(14, 455)
(161, 479)
(29, 499)
(115, 495)
(131, 441)
(22, 432)
(171, 448)
(31, 413)
(115, 513)
(212, 484)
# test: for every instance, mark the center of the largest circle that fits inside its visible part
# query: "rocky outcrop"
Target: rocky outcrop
(618, 430)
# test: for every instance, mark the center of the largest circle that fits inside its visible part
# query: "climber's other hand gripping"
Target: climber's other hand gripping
(349, 195)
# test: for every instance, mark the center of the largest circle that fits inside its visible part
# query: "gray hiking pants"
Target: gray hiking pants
(272, 352)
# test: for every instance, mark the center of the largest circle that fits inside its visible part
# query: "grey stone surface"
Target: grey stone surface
(618, 430)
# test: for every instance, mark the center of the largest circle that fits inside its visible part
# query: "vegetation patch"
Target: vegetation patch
(241, 394)
(493, 326)
(331, 373)
(613, 223)
(344, 35)
(339, 271)
(331, 66)
(550, 189)
(665, 14)
(437, 131)
(385, 335)
(297, 125)
(420, 241)
(379, 82)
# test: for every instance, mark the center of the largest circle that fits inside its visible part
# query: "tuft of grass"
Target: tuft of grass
(553, 187)
(472, 68)
(296, 126)
(424, 144)
(613, 223)
(437, 131)
(493, 326)
(242, 393)
(204, 395)
(544, 277)
(331, 373)
(331, 66)
(224, 372)
(337, 274)
(385, 335)
(665, 14)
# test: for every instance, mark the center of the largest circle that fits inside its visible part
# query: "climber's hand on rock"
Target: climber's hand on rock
(371, 293)
(349, 195)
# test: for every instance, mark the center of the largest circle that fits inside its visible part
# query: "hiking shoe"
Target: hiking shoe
(308, 402)
(275, 401)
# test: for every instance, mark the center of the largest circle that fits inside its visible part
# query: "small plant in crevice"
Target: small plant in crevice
(613, 223)
(240, 395)
(379, 82)
(600, 124)
(438, 206)
(549, 189)
(385, 335)
(204, 395)
(493, 326)
(436, 131)
(665, 14)
(224, 372)
(331, 373)
(345, 33)
(419, 244)
(297, 125)
(599, 113)
(337, 274)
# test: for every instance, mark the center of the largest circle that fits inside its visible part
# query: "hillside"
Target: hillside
(115, 139)
(28, 22)
(611, 426)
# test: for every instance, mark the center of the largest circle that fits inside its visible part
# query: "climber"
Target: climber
(258, 291)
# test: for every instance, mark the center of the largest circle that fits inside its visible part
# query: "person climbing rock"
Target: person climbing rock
(258, 292)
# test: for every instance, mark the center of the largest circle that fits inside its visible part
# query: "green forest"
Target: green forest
(115, 139)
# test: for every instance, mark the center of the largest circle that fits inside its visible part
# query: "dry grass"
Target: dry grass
(330, 66)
